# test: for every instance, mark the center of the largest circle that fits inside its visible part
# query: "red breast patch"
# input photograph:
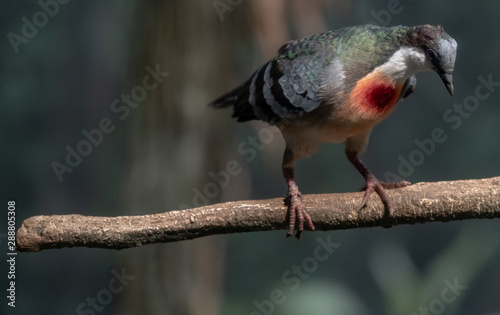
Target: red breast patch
(375, 92)
(380, 96)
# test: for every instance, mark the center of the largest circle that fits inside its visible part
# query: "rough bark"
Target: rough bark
(419, 203)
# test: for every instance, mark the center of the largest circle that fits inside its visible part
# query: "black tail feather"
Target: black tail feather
(228, 99)
(238, 99)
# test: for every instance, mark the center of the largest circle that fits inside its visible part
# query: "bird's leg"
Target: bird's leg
(373, 184)
(297, 214)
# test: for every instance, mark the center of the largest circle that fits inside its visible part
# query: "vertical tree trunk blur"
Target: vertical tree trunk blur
(174, 141)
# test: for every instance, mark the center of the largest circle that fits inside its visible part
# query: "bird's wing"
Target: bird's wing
(287, 86)
(408, 87)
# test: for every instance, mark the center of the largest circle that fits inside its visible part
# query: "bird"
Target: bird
(334, 87)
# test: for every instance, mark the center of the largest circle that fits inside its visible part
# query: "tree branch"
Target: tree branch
(419, 203)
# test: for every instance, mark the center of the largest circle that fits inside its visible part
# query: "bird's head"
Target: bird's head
(440, 50)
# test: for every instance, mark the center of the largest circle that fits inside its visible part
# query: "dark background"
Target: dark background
(89, 53)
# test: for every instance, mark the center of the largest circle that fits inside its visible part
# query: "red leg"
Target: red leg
(373, 184)
(297, 214)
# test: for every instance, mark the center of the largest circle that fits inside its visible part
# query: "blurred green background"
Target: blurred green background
(64, 75)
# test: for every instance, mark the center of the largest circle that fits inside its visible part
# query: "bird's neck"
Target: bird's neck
(378, 92)
(404, 63)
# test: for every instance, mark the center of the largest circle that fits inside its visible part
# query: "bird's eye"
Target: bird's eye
(430, 54)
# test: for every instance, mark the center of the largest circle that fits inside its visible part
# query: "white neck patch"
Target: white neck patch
(404, 63)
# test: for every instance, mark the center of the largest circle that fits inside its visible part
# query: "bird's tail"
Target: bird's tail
(238, 99)
(228, 99)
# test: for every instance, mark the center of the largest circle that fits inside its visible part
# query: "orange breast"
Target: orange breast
(375, 93)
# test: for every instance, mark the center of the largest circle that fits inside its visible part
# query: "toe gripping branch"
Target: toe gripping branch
(373, 184)
(296, 212)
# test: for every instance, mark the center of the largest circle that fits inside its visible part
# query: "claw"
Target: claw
(291, 222)
(374, 185)
(297, 214)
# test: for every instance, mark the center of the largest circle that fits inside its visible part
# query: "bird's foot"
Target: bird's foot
(374, 185)
(297, 214)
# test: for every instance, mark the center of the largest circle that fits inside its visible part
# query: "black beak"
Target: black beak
(448, 81)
